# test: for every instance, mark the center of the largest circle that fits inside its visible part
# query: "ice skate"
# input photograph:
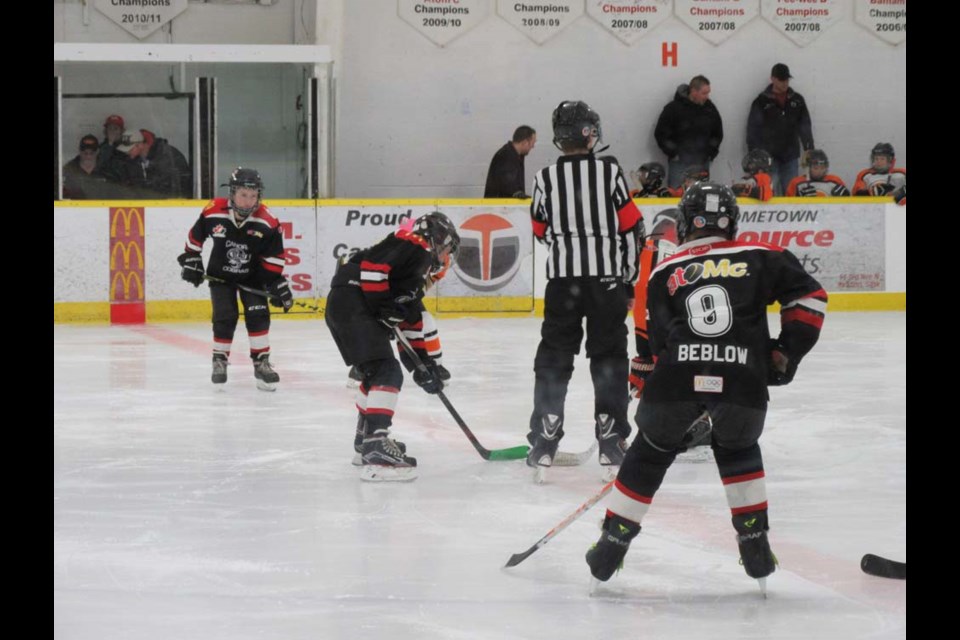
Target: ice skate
(755, 554)
(545, 443)
(267, 378)
(385, 461)
(354, 378)
(219, 375)
(606, 557)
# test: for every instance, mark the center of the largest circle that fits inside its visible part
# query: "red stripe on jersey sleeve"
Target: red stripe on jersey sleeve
(373, 287)
(795, 314)
(274, 268)
(374, 266)
(627, 216)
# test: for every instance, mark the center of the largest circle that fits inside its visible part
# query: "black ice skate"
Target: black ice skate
(545, 442)
(606, 557)
(695, 446)
(755, 554)
(385, 460)
(219, 375)
(267, 378)
(358, 443)
(612, 445)
(354, 378)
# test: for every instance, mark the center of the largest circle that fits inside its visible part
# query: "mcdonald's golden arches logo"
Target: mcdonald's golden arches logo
(127, 254)
(127, 279)
(128, 216)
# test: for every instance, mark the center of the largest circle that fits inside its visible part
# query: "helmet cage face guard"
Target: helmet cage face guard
(440, 234)
(242, 178)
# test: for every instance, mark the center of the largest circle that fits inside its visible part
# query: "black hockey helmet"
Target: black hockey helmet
(708, 205)
(818, 156)
(574, 123)
(883, 149)
(757, 160)
(440, 233)
(244, 178)
(652, 175)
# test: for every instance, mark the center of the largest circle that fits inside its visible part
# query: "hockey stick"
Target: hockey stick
(883, 568)
(258, 292)
(512, 453)
(517, 558)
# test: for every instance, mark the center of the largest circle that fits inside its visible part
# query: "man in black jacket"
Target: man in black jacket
(689, 130)
(505, 178)
(779, 123)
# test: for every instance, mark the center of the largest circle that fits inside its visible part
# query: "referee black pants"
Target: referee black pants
(602, 302)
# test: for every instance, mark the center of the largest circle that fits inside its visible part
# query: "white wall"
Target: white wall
(418, 120)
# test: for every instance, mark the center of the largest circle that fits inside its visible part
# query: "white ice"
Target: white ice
(184, 512)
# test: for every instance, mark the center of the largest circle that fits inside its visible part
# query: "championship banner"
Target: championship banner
(840, 245)
(494, 267)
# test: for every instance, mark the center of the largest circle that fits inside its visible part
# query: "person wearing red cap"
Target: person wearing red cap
(109, 162)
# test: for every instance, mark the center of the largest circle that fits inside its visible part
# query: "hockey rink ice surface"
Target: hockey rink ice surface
(181, 511)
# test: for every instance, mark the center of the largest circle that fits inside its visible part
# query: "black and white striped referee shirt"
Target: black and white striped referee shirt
(582, 209)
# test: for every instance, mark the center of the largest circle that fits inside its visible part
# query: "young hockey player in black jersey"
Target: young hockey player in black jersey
(708, 332)
(375, 291)
(248, 250)
(581, 209)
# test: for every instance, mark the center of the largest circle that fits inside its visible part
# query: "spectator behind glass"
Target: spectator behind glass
(779, 123)
(81, 178)
(156, 169)
(689, 130)
(109, 162)
(505, 177)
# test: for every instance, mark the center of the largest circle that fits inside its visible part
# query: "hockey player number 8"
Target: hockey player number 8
(709, 311)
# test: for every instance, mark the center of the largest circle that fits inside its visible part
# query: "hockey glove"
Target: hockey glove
(428, 380)
(806, 190)
(780, 367)
(192, 270)
(640, 368)
(881, 189)
(900, 195)
(280, 295)
(390, 317)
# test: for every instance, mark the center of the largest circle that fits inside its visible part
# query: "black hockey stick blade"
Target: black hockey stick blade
(883, 567)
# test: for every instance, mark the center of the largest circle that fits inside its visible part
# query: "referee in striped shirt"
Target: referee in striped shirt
(582, 211)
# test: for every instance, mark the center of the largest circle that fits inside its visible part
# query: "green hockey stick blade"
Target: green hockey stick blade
(513, 453)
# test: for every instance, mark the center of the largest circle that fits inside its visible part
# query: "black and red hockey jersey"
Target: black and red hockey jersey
(708, 320)
(250, 252)
(391, 274)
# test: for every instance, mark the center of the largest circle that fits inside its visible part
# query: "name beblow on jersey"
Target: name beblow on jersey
(708, 320)
(251, 251)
